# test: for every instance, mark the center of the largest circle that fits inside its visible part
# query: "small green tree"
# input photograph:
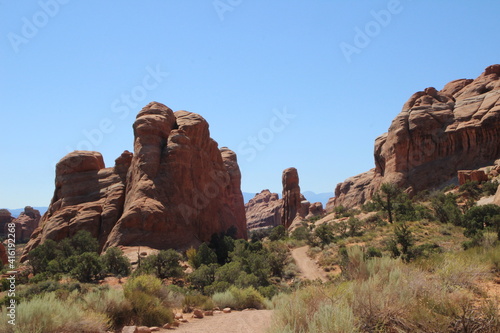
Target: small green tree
(41, 255)
(278, 232)
(386, 197)
(325, 233)
(204, 256)
(480, 217)
(83, 242)
(204, 276)
(115, 262)
(166, 264)
(404, 237)
(89, 267)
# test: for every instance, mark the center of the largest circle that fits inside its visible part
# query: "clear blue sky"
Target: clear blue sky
(70, 67)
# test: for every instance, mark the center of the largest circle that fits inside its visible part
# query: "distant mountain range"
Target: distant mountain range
(311, 196)
(17, 211)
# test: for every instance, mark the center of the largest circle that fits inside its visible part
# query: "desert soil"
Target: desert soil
(308, 268)
(257, 321)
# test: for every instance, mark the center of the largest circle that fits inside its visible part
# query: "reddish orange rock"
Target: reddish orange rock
(436, 134)
(292, 197)
(176, 190)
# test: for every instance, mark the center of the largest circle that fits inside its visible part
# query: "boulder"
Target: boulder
(198, 314)
(130, 329)
(226, 310)
(436, 134)
(465, 176)
(143, 329)
(175, 191)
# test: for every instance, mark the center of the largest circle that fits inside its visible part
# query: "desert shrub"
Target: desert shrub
(237, 298)
(203, 276)
(445, 208)
(204, 256)
(470, 190)
(277, 233)
(40, 256)
(301, 233)
(165, 264)
(46, 313)
(83, 242)
(354, 225)
(373, 252)
(115, 262)
(191, 302)
(229, 272)
(112, 303)
(277, 258)
(490, 188)
(217, 287)
(88, 267)
(144, 294)
(480, 217)
(192, 257)
(325, 233)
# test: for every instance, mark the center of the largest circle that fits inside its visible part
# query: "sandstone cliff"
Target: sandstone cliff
(176, 190)
(264, 210)
(436, 134)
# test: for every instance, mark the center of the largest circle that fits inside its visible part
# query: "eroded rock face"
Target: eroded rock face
(465, 176)
(176, 190)
(3, 255)
(5, 218)
(26, 223)
(264, 210)
(292, 197)
(315, 209)
(436, 134)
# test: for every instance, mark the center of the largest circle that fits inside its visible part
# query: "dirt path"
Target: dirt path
(308, 268)
(257, 321)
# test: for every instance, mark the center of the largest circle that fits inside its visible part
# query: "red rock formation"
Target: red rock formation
(5, 218)
(465, 176)
(176, 190)
(3, 255)
(315, 209)
(26, 223)
(264, 210)
(291, 197)
(436, 134)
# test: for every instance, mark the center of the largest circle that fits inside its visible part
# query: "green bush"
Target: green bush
(148, 308)
(490, 188)
(325, 233)
(47, 313)
(88, 267)
(446, 209)
(239, 299)
(277, 233)
(204, 256)
(480, 217)
(115, 262)
(165, 264)
(203, 276)
(199, 301)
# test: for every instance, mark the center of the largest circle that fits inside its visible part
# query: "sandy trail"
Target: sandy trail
(257, 321)
(308, 268)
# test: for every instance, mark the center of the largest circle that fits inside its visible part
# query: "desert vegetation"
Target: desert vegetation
(396, 264)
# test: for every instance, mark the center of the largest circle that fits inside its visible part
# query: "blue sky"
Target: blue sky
(308, 84)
